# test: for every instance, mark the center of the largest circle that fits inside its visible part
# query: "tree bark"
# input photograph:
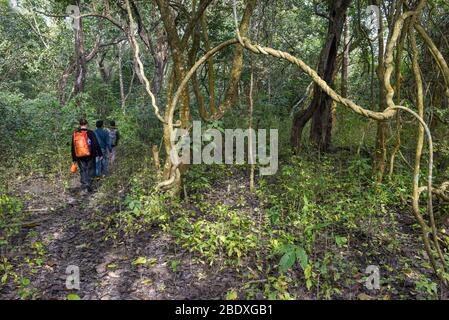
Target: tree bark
(160, 59)
(380, 152)
(319, 109)
(80, 70)
(345, 63)
(120, 76)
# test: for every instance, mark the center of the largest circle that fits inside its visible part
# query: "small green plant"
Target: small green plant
(144, 261)
(231, 295)
(25, 291)
(11, 215)
(223, 235)
(174, 264)
(427, 287)
(291, 255)
(277, 289)
(341, 241)
(73, 296)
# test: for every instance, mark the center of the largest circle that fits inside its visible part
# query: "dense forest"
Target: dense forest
(224, 149)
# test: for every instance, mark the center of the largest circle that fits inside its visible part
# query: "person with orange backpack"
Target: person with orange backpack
(85, 149)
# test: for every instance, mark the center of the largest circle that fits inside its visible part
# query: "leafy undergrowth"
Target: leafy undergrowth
(330, 224)
(309, 232)
(22, 250)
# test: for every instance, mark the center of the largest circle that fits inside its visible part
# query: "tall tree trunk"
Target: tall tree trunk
(345, 63)
(380, 152)
(74, 66)
(210, 65)
(320, 107)
(160, 59)
(120, 77)
(105, 71)
(179, 51)
(80, 71)
(250, 127)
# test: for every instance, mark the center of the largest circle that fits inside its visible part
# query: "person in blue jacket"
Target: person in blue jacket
(105, 144)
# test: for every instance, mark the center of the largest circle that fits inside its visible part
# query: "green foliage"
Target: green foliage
(142, 209)
(144, 261)
(73, 296)
(427, 287)
(32, 262)
(332, 202)
(11, 215)
(291, 254)
(174, 264)
(37, 132)
(231, 295)
(277, 289)
(220, 235)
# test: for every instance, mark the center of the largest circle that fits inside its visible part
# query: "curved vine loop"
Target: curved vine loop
(140, 68)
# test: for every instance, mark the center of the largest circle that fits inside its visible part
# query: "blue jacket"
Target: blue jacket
(103, 139)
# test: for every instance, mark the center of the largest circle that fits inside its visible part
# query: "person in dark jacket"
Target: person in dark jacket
(114, 137)
(105, 145)
(86, 165)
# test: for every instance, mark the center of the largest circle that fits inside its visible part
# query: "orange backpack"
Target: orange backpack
(80, 141)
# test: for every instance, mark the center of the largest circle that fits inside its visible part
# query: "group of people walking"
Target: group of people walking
(94, 151)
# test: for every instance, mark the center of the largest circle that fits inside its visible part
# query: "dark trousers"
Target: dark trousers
(87, 172)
